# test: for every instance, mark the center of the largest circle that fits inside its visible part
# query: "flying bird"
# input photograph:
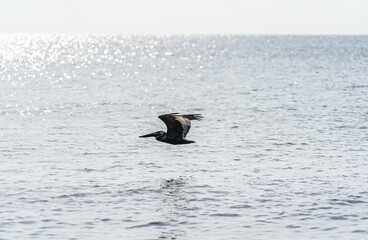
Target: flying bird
(178, 126)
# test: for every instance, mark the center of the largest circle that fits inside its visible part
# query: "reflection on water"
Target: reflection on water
(174, 204)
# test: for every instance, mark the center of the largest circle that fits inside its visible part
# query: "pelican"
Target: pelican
(178, 126)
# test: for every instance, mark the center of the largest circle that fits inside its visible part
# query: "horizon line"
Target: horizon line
(188, 34)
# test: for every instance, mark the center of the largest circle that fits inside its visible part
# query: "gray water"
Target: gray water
(281, 152)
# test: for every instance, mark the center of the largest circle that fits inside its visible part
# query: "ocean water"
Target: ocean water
(281, 152)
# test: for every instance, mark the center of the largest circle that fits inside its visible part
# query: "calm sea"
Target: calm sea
(281, 152)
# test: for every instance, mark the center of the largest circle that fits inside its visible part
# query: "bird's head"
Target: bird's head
(154, 134)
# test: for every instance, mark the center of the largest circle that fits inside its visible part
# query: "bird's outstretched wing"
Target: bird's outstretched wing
(178, 125)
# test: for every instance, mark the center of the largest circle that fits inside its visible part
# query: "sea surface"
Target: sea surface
(282, 151)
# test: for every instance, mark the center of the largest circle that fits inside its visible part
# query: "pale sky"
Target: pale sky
(185, 16)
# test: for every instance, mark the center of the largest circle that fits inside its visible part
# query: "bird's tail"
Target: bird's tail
(194, 116)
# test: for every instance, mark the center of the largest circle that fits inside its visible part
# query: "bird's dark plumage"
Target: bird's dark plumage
(178, 126)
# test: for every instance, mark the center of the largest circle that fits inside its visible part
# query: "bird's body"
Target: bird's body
(178, 126)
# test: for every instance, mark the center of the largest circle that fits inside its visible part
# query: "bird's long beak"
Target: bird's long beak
(148, 135)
